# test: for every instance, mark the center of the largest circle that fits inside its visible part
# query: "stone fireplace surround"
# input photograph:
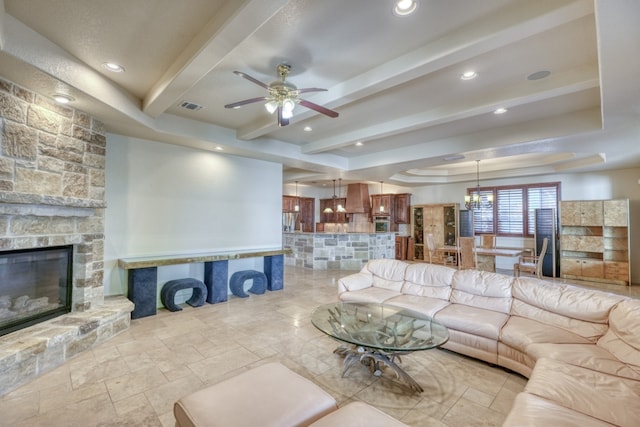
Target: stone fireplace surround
(52, 178)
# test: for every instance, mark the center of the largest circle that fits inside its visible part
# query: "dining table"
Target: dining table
(486, 257)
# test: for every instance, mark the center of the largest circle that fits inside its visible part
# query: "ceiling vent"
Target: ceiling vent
(191, 106)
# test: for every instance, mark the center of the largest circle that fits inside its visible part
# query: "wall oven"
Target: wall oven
(381, 224)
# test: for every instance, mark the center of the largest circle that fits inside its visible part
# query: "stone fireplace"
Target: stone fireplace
(52, 178)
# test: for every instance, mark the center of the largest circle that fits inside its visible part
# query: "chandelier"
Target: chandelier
(476, 200)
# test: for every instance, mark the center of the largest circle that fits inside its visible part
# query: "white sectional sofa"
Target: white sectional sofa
(580, 348)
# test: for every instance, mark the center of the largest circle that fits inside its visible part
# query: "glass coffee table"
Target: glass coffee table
(378, 334)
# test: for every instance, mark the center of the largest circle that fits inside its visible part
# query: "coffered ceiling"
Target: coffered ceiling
(405, 115)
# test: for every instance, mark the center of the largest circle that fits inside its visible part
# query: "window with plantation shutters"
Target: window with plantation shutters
(513, 210)
(538, 198)
(510, 211)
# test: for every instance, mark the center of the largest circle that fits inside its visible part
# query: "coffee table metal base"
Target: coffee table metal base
(375, 360)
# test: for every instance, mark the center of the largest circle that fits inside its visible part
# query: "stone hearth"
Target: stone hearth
(52, 179)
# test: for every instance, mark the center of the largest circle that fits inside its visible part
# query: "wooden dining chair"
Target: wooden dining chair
(531, 263)
(431, 247)
(467, 259)
(488, 241)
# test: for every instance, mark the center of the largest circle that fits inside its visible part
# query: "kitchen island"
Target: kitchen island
(336, 251)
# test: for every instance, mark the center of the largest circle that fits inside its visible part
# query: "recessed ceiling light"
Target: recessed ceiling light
(405, 7)
(468, 75)
(307, 129)
(359, 144)
(112, 66)
(500, 110)
(219, 148)
(538, 75)
(62, 98)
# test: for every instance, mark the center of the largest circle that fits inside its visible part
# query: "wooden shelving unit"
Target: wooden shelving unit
(594, 240)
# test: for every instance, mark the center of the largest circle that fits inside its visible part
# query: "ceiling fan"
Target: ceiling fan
(282, 96)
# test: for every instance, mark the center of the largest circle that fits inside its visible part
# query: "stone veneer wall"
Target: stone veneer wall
(347, 251)
(52, 193)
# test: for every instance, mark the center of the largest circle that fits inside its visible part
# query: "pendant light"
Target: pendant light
(381, 193)
(328, 209)
(340, 208)
(476, 201)
(296, 208)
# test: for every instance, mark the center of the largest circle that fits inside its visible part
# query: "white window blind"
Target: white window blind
(510, 211)
(513, 211)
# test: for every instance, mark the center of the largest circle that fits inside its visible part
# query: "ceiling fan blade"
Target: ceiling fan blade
(245, 102)
(251, 79)
(281, 120)
(311, 89)
(318, 108)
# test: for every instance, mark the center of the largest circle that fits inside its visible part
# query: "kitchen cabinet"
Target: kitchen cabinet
(439, 220)
(382, 200)
(289, 203)
(307, 215)
(306, 211)
(333, 217)
(594, 240)
(402, 208)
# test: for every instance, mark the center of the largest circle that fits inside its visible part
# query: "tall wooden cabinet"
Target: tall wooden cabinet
(402, 204)
(305, 220)
(439, 220)
(594, 240)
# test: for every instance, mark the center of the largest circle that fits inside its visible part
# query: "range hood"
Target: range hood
(358, 199)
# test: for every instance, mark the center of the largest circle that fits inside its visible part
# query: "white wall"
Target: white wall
(168, 199)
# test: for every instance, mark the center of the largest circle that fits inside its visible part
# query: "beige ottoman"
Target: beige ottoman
(358, 414)
(269, 395)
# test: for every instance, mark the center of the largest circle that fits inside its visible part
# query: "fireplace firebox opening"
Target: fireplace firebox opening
(35, 285)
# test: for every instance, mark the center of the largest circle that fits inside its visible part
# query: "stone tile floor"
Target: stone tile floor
(134, 379)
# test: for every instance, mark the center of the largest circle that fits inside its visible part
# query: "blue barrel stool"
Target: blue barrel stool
(236, 283)
(168, 293)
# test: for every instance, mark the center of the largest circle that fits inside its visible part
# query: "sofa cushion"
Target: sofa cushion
(370, 294)
(590, 356)
(386, 273)
(473, 320)
(581, 311)
(428, 280)
(623, 337)
(532, 410)
(424, 305)
(482, 289)
(520, 332)
(606, 397)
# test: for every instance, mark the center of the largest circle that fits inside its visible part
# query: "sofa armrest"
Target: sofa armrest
(355, 282)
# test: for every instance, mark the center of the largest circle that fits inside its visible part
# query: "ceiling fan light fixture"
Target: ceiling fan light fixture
(287, 114)
(271, 106)
(405, 7)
